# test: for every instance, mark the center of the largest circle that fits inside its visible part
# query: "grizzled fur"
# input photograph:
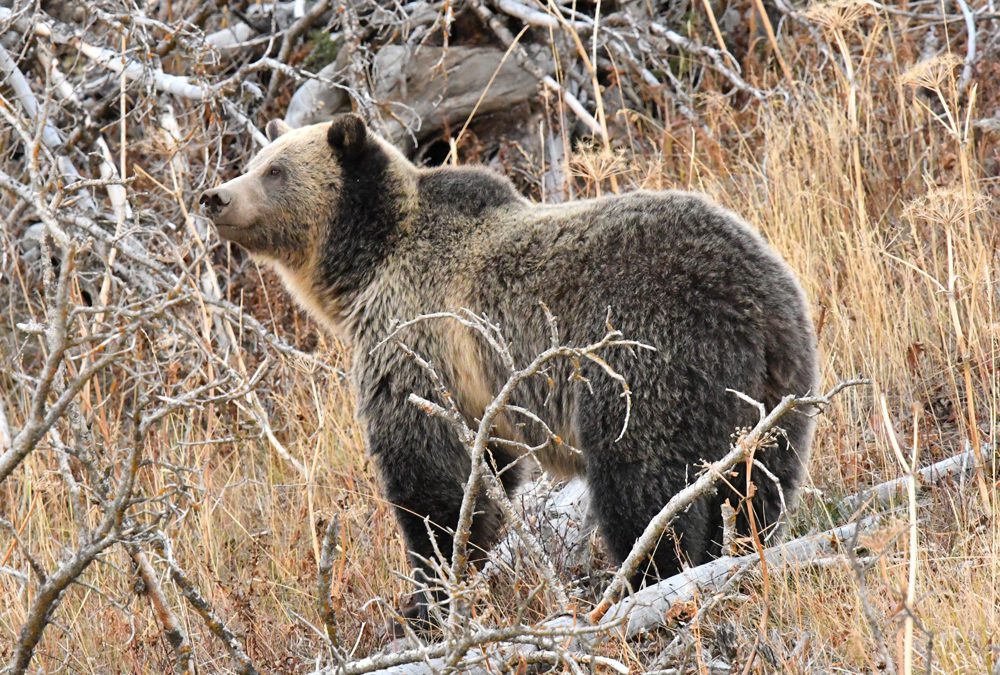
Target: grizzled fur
(363, 238)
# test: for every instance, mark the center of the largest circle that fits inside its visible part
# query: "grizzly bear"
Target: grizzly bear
(364, 239)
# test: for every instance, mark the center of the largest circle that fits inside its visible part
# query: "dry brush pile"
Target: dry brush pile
(182, 485)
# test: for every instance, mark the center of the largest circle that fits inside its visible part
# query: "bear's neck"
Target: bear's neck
(387, 207)
(302, 283)
(437, 214)
(377, 196)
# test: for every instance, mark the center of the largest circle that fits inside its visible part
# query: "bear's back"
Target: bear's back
(666, 247)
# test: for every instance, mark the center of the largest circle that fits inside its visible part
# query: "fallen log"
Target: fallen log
(426, 88)
(645, 610)
(961, 464)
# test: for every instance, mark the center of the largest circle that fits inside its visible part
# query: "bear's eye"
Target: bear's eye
(274, 172)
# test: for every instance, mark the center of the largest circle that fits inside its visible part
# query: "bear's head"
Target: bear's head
(322, 204)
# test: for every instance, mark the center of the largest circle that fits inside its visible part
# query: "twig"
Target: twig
(324, 580)
(495, 491)
(201, 606)
(729, 544)
(15, 534)
(478, 441)
(172, 629)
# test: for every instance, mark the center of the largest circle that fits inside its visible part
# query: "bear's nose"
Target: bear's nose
(215, 201)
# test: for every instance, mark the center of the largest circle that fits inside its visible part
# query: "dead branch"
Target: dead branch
(645, 610)
(885, 493)
(172, 629)
(508, 40)
(215, 625)
(523, 640)
(46, 27)
(639, 613)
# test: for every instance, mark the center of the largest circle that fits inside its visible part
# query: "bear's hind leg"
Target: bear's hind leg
(670, 434)
(625, 496)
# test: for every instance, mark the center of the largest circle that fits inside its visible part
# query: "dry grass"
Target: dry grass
(900, 263)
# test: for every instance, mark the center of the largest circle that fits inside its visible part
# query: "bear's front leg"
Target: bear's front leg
(424, 469)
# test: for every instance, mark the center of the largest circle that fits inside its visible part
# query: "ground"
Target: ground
(879, 189)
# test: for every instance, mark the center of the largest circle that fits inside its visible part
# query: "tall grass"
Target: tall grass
(868, 178)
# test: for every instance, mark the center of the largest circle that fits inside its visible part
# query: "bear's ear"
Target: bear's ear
(347, 135)
(275, 128)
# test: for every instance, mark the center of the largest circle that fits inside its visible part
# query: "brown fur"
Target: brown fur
(364, 239)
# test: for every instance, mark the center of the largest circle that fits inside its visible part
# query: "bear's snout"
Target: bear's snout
(215, 201)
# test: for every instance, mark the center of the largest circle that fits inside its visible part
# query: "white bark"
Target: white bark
(111, 60)
(960, 465)
(645, 610)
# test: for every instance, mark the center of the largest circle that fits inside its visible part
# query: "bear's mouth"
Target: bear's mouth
(234, 233)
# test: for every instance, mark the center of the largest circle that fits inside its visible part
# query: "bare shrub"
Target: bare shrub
(182, 485)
